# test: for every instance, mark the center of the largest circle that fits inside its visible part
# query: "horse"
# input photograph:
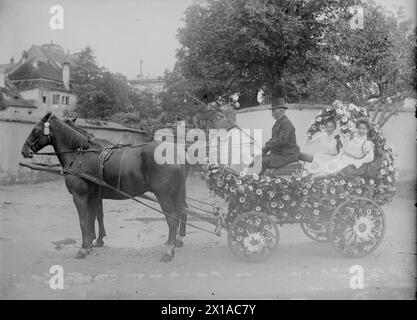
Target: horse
(132, 169)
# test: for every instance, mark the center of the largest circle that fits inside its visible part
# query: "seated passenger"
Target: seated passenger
(330, 146)
(356, 152)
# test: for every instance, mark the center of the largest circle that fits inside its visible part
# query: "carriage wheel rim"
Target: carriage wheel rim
(256, 249)
(359, 223)
(306, 228)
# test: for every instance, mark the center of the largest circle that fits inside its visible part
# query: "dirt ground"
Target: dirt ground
(39, 228)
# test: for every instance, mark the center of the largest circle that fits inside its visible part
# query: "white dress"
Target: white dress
(327, 154)
(356, 151)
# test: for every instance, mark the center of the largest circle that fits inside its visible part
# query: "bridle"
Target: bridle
(46, 132)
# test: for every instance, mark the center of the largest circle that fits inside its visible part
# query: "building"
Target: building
(154, 85)
(11, 102)
(42, 76)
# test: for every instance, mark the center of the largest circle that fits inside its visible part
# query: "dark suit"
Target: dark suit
(282, 146)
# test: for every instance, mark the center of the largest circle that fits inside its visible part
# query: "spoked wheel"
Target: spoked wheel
(253, 236)
(357, 227)
(315, 230)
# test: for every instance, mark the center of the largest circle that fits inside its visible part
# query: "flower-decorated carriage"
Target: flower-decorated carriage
(343, 210)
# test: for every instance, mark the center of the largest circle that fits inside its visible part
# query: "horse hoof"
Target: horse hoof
(98, 243)
(80, 255)
(166, 257)
(179, 243)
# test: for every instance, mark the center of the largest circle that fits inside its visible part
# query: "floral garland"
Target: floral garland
(291, 199)
(294, 199)
(346, 115)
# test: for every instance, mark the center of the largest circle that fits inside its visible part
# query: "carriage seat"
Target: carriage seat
(287, 170)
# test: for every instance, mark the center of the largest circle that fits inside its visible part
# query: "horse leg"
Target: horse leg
(100, 219)
(182, 230)
(180, 202)
(81, 203)
(92, 214)
(168, 207)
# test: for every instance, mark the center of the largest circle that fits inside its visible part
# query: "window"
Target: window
(63, 100)
(44, 99)
(55, 99)
(67, 100)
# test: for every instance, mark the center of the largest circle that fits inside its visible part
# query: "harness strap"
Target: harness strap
(120, 169)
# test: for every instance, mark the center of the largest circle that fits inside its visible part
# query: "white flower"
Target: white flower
(315, 205)
(344, 127)
(258, 208)
(319, 119)
(344, 119)
(316, 212)
(255, 176)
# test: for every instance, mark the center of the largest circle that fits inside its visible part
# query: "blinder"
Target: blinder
(34, 146)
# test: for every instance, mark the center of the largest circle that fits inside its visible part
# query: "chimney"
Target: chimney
(2, 78)
(66, 74)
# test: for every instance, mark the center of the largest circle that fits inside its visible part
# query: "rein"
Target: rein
(79, 150)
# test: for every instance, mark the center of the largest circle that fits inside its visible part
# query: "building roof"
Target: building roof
(43, 70)
(52, 53)
(10, 97)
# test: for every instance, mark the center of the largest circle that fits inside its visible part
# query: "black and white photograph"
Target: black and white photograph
(208, 150)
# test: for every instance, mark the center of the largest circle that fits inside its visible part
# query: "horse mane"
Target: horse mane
(79, 129)
(92, 139)
(70, 136)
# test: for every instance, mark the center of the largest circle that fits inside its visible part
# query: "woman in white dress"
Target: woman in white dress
(330, 146)
(356, 152)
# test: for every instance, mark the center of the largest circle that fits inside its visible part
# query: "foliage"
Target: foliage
(374, 67)
(179, 102)
(101, 94)
(240, 45)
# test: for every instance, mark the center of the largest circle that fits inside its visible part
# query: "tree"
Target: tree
(101, 93)
(240, 45)
(373, 67)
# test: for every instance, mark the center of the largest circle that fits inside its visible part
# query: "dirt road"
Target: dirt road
(39, 228)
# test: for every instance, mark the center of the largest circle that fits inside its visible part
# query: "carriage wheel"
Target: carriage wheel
(253, 236)
(357, 227)
(315, 231)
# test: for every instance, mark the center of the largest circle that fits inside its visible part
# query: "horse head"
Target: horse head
(39, 137)
(49, 130)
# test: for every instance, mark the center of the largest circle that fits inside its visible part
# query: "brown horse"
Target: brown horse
(133, 169)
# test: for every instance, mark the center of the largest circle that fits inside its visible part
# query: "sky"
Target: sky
(120, 32)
